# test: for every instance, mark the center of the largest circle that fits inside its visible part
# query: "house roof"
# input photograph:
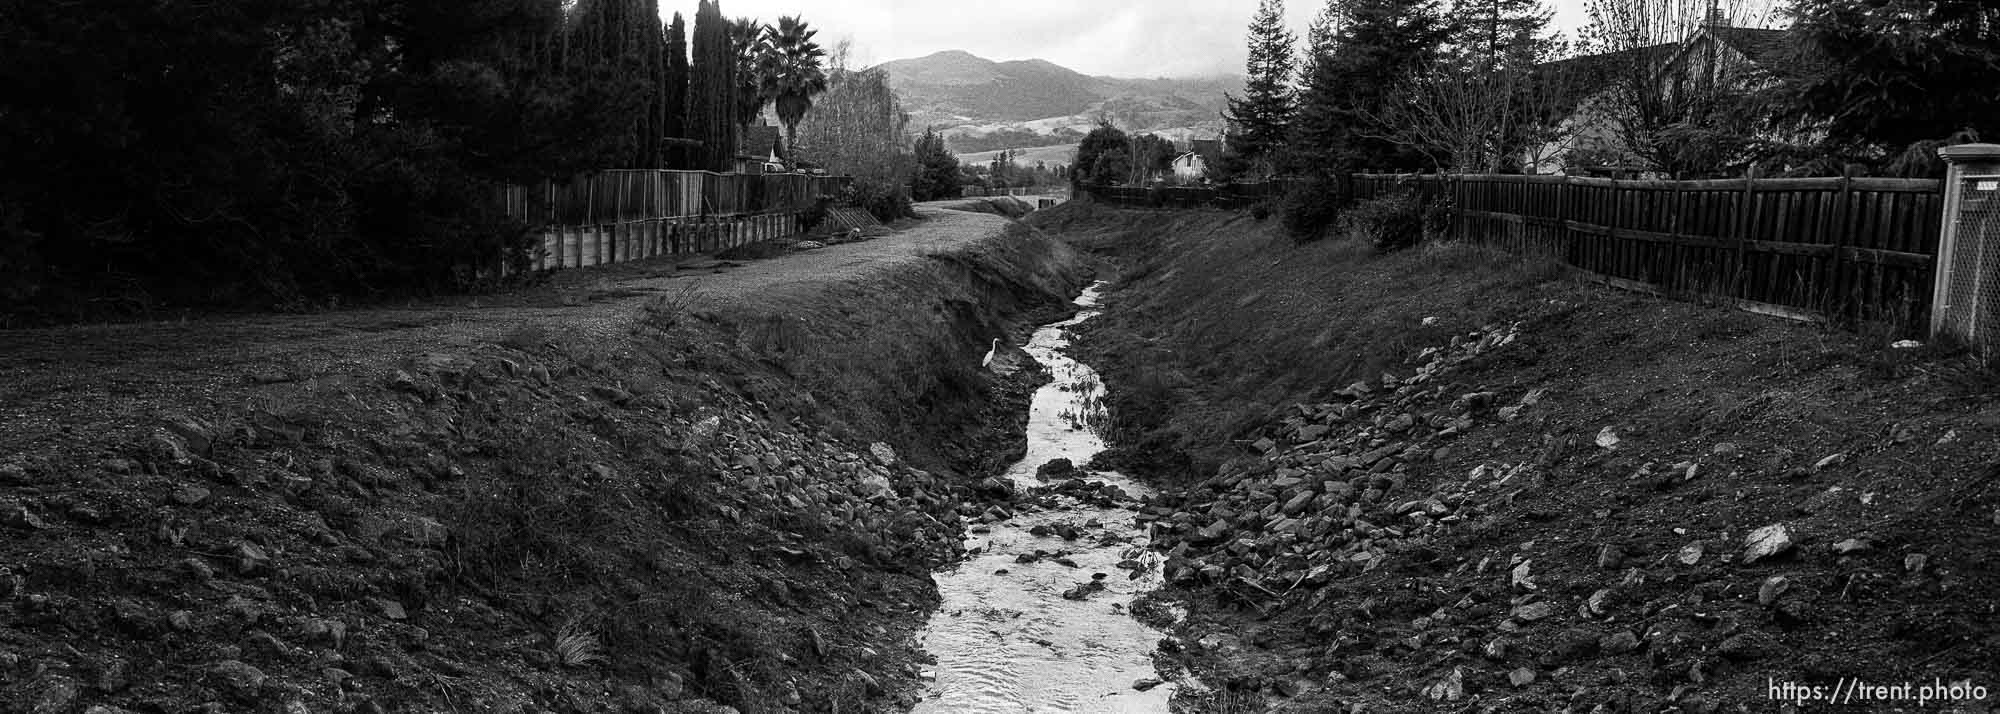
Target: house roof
(758, 142)
(1208, 149)
(1770, 48)
(1773, 50)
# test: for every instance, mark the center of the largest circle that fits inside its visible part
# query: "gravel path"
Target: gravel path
(55, 382)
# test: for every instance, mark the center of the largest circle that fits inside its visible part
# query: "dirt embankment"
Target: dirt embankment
(1451, 480)
(662, 489)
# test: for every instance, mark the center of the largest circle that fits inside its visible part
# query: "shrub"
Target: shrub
(822, 205)
(1390, 222)
(1310, 208)
(886, 201)
(1262, 209)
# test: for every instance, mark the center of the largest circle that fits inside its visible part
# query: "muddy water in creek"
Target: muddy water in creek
(1009, 641)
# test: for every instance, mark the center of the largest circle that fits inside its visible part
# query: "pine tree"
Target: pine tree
(1378, 40)
(1501, 34)
(674, 92)
(1320, 35)
(936, 176)
(1887, 82)
(1258, 120)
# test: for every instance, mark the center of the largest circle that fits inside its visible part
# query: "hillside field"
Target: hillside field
(1059, 154)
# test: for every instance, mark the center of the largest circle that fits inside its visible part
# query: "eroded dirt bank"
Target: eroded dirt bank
(665, 490)
(1448, 480)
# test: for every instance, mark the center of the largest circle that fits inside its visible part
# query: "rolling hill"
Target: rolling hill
(965, 95)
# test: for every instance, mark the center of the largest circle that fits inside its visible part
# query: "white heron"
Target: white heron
(987, 361)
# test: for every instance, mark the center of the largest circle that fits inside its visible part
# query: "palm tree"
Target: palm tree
(792, 73)
(748, 39)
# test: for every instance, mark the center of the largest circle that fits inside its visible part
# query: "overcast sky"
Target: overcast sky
(1123, 38)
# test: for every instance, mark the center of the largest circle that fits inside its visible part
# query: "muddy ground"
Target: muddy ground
(652, 487)
(1454, 480)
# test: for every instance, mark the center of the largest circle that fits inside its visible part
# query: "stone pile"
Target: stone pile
(899, 513)
(1327, 497)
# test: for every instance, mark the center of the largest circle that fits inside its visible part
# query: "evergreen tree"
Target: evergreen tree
(1352, 78)
(1500, 34)
(1152, 155)
(674, 92)
(1319, 35)
(712, 90)
(277, 154)
(1888, 81)
(653, 57)
(1486, 99)
(1103, 158)
(937, 173)
(1258, 120)
(614, 45)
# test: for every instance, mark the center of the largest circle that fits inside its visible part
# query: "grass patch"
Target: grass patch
(664, 312)
(1218, 318)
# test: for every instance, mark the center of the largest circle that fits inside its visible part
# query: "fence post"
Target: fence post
(1458, 196)
(1840, 277)
(1968, 234)
(1746, 222)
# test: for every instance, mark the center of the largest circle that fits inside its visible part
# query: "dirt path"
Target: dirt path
(640, 487)
(59, 381)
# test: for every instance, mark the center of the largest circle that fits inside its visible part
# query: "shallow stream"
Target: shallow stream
(1006, 639)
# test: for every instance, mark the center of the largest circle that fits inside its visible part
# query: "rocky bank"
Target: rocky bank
(644, 497)
(1452, 480)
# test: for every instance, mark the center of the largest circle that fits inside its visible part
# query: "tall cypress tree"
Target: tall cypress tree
(1257, 121)
(674, 91)
(712, 90)
(610, 46)
(652, 63)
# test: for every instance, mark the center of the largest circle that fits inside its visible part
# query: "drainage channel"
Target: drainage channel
(1035, 622)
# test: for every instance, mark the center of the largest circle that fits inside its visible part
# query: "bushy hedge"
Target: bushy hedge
(885, 200)
(1399, 219)
(252, 154)
(1310, 208)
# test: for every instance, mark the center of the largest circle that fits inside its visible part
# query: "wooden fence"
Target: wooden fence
(615, 216)
(981, 192)
(1852, 247)
(1844, 247)
(1229, 195)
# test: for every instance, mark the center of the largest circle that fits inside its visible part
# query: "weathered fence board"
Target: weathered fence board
(1848, 247)
(1851, 247)
(622, 215)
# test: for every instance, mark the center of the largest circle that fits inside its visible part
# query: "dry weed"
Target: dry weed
(576, 646)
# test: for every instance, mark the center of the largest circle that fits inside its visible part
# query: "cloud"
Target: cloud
(1130, 38)
(1124, 38)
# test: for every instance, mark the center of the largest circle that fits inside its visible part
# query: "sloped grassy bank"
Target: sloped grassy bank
(666, 504)
(1449, 480)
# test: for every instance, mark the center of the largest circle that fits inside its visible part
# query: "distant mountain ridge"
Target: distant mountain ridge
(965, 94)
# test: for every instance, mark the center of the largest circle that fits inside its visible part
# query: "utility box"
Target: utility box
(1965, 303)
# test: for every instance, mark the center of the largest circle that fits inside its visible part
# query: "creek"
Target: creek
(1022, 627)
